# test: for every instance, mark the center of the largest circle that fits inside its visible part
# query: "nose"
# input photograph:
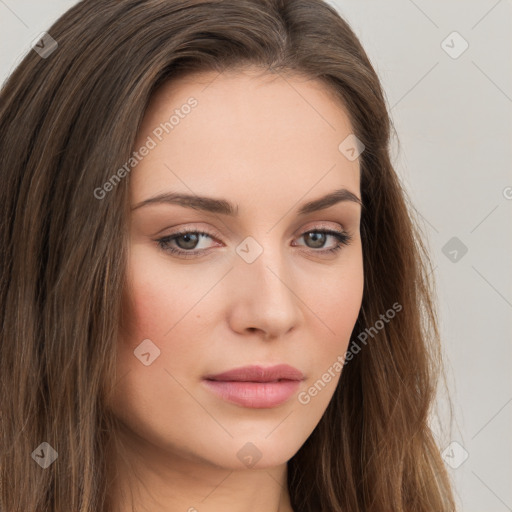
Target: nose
(263, 298)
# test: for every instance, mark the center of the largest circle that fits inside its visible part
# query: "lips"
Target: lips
(259, 374)
(255, 386)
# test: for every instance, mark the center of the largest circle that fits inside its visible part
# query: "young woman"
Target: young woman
(213, 293)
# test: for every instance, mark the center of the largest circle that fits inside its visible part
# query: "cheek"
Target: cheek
(336, 303)
(166, 305)
(148, 396)
(341, 303)
(156, 310)
(337, 298)
(160, 295)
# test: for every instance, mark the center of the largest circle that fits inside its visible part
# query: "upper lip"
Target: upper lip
(259, 374)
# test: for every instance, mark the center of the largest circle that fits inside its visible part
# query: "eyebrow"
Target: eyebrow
(224, 207)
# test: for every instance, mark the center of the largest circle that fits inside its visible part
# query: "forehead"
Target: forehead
(247, 131)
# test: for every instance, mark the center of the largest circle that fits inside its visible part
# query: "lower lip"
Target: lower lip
(257, 395)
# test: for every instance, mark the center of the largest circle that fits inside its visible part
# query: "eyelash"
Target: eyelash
(343, 238)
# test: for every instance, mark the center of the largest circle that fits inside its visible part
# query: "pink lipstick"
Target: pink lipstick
(256, 386)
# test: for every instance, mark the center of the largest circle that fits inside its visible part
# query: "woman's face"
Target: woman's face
(269, 283)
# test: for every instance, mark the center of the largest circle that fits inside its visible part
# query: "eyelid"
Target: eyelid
(190, 228)
(321, 225)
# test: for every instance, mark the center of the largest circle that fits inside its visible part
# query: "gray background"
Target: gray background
(453, 119)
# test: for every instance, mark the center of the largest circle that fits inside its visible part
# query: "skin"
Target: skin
(269, 145)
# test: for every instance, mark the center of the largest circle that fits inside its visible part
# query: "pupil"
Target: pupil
(190, 240)
(317, 238)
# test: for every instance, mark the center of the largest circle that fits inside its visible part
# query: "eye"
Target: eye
(185, 243)
(317, 239)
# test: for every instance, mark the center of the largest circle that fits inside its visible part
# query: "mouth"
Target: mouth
(259, 374)
(255, 386)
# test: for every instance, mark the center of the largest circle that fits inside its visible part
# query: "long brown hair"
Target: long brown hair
(67, 122)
